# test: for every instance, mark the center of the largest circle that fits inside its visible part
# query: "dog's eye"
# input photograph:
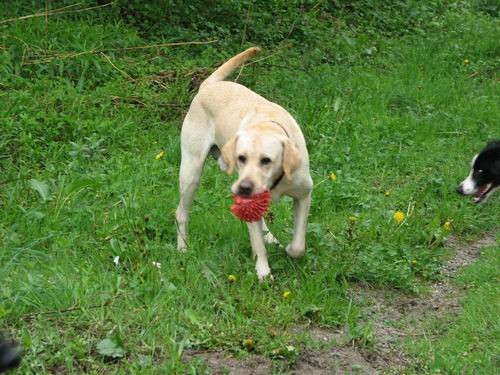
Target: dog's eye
(480, 171)
(242, 159)
(265, 161)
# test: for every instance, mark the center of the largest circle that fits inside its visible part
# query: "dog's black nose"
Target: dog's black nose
(245, 188)
(459, 190)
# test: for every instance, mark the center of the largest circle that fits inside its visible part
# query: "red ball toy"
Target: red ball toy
(251, 208)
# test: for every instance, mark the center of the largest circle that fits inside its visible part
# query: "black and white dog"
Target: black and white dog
(484, 177)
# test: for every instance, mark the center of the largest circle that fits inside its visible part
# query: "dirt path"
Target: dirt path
(392, 315)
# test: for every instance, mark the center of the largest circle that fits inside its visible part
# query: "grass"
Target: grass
(80, 185)
(470, 343)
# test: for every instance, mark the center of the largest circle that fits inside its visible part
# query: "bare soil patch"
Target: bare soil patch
(221, 362)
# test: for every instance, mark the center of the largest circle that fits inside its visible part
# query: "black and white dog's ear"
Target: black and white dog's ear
(496, 166)
(494, 147)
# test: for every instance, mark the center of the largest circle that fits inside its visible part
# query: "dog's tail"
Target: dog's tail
(229, 66)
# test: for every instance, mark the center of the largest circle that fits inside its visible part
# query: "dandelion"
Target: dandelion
(466, 62)
(333, 177)
(352, 220)
(157, 265)
(231, 278)
(447, 226)
(160, 155)
(248, 343)
(286, 294)
(388, 193)
(399, 216)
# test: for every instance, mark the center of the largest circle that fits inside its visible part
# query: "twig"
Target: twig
(114, 66)
(67, 55)
(46, 19)
(243, 36)
(16, 37)
(69, 309)
(315, 6)
(159, 45)
(239, 73)
(54, 12)
(278, 51)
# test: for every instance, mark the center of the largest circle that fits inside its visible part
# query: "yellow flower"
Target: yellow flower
(231, 278)
(248, 343)
(447, 225)
(352, 220)
(333, 177)
(388, 193)
(413, 262)
(466, 62)
(286, 294)
(399, 216)
(160, 155)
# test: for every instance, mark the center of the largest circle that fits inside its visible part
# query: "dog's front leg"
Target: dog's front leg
(259, 249)
(301, 211)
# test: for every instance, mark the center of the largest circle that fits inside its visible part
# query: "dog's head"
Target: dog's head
(260, 155)
(484, 177)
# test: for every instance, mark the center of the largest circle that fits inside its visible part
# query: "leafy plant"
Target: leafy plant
(111, 346)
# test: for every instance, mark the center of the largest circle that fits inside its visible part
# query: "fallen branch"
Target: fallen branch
(54, 12)
(279, 50)
(69, 309)
(68, 55)
(114, 66)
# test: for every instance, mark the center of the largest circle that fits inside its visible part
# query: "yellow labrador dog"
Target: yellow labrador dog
(259, 139)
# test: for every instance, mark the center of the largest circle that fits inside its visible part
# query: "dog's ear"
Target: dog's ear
(291, 158)
(229, 154)
(496, 166)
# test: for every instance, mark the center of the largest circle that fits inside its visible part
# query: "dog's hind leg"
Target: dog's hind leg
(194, 153)
(189, 179)
(301, 211)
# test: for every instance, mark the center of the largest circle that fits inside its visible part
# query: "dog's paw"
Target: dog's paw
(267, 278)
(270, 239)
(295, 251)
(182, 246)
(263, 271)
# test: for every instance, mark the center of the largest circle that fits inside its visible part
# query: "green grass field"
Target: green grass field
(469, 344)
(84, 121)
